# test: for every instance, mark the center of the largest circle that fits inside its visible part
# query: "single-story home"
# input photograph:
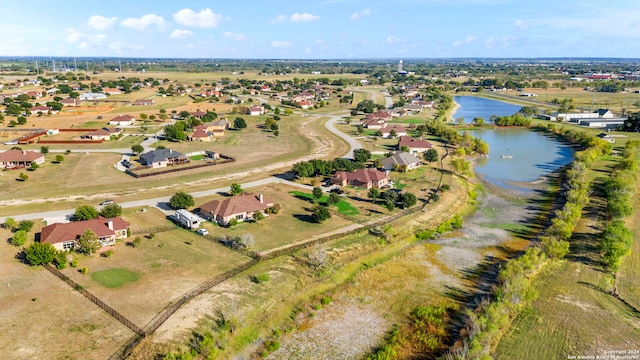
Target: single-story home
(112, 91)
(143, 102)
(398, 130)
(366, 178)
(122, 120)
(414, 145)
(256, 110)
(102, 134)
(64, 236)
(20, 158)
(92, 96)
(241, 208)
(400, 161)
(162, 158)
(373, 124)
(198, 113)
(41, 109)
(70, 102)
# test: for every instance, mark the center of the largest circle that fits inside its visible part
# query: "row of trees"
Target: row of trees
(516, 119)
(617, 240)
(318, 167)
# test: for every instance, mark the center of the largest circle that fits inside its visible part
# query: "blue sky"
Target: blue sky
(321, 29)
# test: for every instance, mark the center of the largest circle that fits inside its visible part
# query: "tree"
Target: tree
(405, 148)
(320, 214)
(181, 200)
(23, 177)
(39, 254)
(360, 129)
(85, 212)
(333, 199)
(408, 200)
(276, 133)
(19, 238)
(44, 150)
(25, 225)
(59, 158)
(33, 166)
(478, 121)
(461, 166)
(235, 189)
(361, 155)
(88, 243)
(431, 155)
(10, 223)
(374, 194)
(239, 123)
(316, 193)
(137, 149)
(111, 210)
(258, 216)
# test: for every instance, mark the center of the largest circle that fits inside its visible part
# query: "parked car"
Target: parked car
(203, 232)
(126, 163)
(107, 202)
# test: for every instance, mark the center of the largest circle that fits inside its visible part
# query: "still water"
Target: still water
(471, 106)
(515, 154)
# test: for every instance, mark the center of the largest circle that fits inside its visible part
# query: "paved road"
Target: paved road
(353, 143)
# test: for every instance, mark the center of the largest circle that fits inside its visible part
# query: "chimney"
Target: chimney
(24, 152)
(261, 198)
(110, 225)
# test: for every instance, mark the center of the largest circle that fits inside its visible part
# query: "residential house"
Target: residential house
(70, 102)
(415, 108)
(365, 178)
(221, 124)
(380, 115)
(605, 113)
(104, 134)
(400, 161)
(198, 114)
(143, 102)
(607, 137)
(112, 91)
(34, 93)
(160, 158)
(373, 124)
(122, 120)
(20, 158)
(305, 104)
(92, 96)
(240, 208)
(256, 110)
(398, 130)
(40, 109)
(64, 236)
(414, 145)
(200, 133)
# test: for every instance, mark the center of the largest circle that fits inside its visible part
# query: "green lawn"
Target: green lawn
(197, 157)
(115, 278)
(344, 207)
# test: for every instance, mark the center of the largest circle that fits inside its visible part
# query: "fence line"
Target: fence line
(180, 168)
(101, 304)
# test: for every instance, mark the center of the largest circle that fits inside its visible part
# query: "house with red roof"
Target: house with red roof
(70, 102)
(414, 145)
(364, 178)
(20, 158)
(64, 236)
(112, 91)
(396, 130)
(102, 134)
(241, 208)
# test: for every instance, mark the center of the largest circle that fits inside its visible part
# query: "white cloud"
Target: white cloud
(303, 17)
(180, 34)
(119, 46)
(521, 24)
(394, 40)
(279, 19)
(499, 43)
(295, 17)
(281, 44)
(360, 14)
(75, 36)
(234, 36)
(144, 22)
(100, 22)
(467, 40)
(204, 19)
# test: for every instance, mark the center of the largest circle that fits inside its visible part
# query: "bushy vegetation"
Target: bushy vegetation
(317, 167)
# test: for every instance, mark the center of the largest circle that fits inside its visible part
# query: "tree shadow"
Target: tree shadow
(304, 217)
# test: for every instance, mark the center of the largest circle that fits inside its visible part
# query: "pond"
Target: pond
(472, 106)
(516, 155)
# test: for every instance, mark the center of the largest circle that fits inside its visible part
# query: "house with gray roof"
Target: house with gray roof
(401, 161)
(162, 158)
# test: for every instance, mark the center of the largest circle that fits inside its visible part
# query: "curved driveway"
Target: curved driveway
(353, 143)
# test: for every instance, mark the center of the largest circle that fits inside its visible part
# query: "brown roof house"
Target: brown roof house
(255, 110)
(20, 158)
(143, 102)
(64, 236)
(365, 178)
(122, 120)
(102, 134)
(240, 208)
(414, 145)
(398, 130)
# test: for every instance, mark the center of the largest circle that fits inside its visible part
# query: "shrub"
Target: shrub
(136, 242)
(272, 346)
(260, 278)
(325, 300)
(74, 263)
(108, 253)
(84, 270)
(19, 238)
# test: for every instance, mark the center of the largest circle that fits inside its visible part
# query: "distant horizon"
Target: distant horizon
(322, 29)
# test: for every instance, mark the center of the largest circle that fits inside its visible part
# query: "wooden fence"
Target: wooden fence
(227, 159)
(94, 299)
